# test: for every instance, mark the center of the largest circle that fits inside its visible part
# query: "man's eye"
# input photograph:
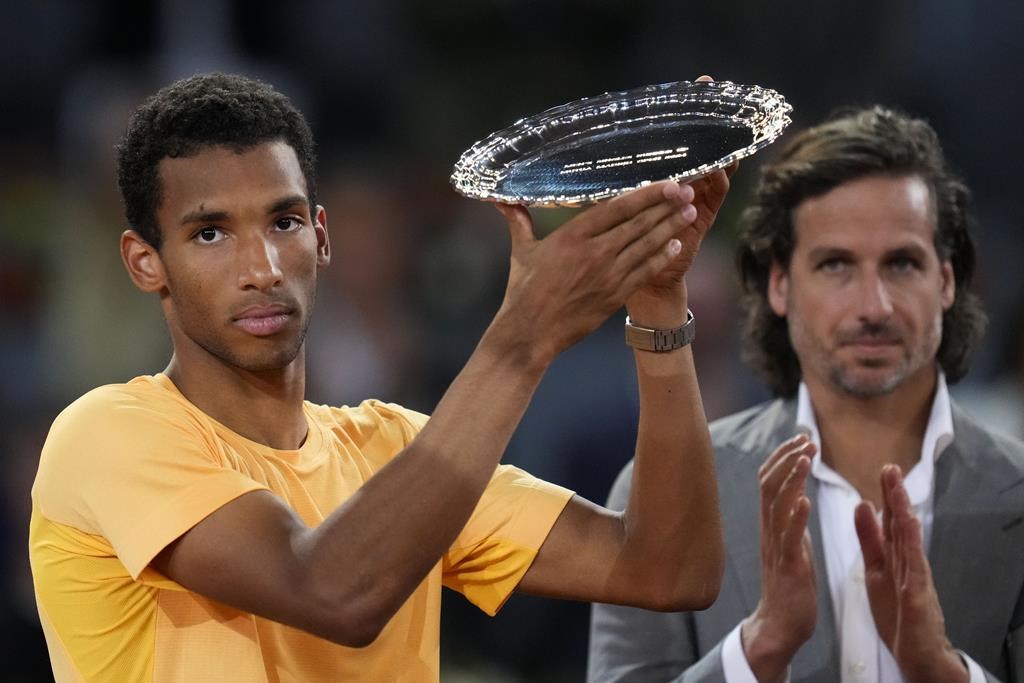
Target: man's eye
(832, 265)
(209, 235)
(903, 264)
(286, 224)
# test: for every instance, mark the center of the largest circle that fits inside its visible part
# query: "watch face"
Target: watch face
(602, 146)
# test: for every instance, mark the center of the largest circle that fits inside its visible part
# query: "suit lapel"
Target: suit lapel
(743, 528)
(976, 533)
(741, 495)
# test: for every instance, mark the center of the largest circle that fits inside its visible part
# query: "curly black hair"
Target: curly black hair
(850, 145)
(188, 115)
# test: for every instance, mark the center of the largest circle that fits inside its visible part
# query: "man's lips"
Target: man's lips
(263, 321)
(873, 347)
(873, 341)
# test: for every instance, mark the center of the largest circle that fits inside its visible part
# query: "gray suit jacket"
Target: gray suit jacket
(976, 555)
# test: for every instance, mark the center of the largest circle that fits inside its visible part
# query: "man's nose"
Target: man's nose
(875, 299)
(258, 264)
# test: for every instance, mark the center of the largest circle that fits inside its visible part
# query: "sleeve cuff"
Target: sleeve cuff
(735, 666)
(151, 534)
(976, 673)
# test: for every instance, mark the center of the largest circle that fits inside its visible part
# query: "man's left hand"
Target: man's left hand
(900, 589)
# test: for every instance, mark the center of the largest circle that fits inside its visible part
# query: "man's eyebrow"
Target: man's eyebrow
(283, 204)
(915, 250)
(286, 203)
(201, 216)
(827, 251)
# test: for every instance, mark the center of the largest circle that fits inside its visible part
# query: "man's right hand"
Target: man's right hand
(563, 287)
(786, 614)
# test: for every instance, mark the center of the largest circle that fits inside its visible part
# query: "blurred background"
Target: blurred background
(395, 91)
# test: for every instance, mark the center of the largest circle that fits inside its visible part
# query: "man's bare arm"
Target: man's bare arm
(665, 551)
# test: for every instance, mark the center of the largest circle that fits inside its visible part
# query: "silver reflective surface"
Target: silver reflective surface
(602, 146)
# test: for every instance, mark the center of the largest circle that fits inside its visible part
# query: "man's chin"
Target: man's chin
(265, 360)
(275, 363)
(254, 354)
(868, 383)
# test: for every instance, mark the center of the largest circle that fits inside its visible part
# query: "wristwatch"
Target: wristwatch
(647, 339)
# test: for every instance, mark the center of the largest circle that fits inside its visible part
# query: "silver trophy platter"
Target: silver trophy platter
(599, 147)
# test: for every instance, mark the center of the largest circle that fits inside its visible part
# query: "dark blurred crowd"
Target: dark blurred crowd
(395, 91)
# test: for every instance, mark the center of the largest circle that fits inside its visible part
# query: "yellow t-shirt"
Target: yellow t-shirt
(129, 468)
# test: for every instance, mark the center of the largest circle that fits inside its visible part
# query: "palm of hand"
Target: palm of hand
(796, 589)
(882, 598)
(904, 603)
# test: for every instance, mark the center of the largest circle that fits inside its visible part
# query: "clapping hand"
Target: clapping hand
(787, 612)
(900, 589)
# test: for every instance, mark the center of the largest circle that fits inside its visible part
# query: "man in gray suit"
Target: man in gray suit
(855, 261)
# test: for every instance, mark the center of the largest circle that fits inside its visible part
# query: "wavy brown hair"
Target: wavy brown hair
(850, 145)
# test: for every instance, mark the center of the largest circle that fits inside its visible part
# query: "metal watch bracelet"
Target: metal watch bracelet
(647, 339)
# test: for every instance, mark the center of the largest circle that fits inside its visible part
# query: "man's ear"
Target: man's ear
(323, 240)
(778, 289)
(143, 262)
(948, 285)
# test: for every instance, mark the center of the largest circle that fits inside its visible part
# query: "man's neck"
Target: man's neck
(265, 407)
(860, 435)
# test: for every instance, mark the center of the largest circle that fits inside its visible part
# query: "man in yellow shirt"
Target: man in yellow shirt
(208, 524)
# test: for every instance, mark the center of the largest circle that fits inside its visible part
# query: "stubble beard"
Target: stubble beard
(861, 380)
(271, 359)
(866, 387)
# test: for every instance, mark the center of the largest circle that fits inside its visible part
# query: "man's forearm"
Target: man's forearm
(672, 520)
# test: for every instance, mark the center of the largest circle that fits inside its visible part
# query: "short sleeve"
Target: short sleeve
(136, 467)
(502, 537)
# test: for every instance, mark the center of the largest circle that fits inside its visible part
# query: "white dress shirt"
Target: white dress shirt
(864, 658)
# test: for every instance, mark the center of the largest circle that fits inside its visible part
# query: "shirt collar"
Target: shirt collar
(938, 434)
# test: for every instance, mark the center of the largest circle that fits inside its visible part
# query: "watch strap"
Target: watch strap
(648, 339)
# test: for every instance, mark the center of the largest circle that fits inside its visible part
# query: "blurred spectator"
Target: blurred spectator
(366, 340)
(89, 302)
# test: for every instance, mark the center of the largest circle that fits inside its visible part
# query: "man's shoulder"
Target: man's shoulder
(754, 429)
(103, 435)
(134, 396)
(114, 422)
(975, 440)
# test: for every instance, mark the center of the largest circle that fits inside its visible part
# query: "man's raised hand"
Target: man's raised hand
(900, 589)
(787, 611)
(564, 286)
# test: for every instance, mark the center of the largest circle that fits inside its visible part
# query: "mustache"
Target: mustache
(871, 333)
